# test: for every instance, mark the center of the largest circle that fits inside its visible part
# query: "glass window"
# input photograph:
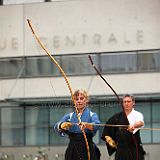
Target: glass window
(107, 110)
(36, 124)
(145, 109)
(115, 63)
(156, 121)
(33, 126)
(148, 61)
(78, 64)
(12, 126)
(56, 113)
(41, 66)
(11, 67)
(156, 57)
(95, 108)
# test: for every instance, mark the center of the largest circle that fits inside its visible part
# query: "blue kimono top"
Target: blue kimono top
(87, 116)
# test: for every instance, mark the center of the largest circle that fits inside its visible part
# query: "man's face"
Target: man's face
(80, 101)
(128, 103)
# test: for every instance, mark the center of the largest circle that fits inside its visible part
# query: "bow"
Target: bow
(66, 80)
(118, 98)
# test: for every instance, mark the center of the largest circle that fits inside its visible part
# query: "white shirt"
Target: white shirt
(134, 117)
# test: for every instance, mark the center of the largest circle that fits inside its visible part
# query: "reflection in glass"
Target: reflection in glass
(32, 126)
(56, 113)
(11, 67)
(156, 122)
(148, 61)
(12, 123)
(41, 66)
(78, 64)
(36, 126)
(145, 109)
(118, 63)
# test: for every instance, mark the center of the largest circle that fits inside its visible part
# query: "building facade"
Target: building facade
(122, 37)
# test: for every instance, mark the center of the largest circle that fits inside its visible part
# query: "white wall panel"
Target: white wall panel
(94, 26)
(11, 31)
(55, 87)
(12, 88)
(80, 26)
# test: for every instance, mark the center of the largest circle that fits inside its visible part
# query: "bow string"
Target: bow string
(66, 80)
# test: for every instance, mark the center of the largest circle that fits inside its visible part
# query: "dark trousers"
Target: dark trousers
(77, 150)
(130, 154)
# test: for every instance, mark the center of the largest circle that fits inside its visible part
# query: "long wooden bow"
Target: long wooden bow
(66, 80)
(118, 98)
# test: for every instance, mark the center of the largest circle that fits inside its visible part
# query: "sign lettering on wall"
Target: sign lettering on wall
(71, 41)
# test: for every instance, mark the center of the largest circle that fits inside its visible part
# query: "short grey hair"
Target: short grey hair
(129, 95)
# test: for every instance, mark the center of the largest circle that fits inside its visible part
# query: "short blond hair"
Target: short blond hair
(80, 91)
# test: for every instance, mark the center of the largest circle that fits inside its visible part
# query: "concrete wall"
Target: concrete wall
(142, 83)
(57, 153)
(80, 26)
